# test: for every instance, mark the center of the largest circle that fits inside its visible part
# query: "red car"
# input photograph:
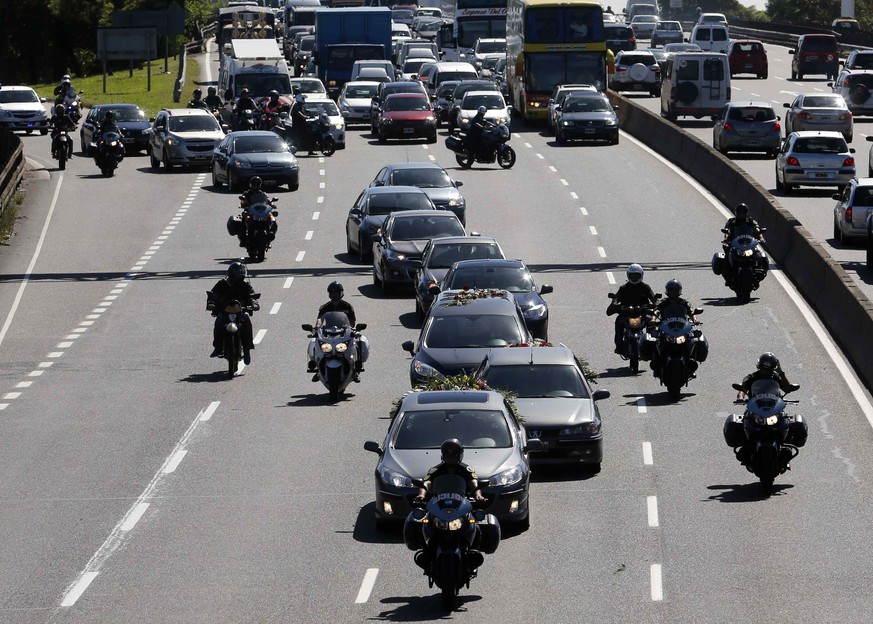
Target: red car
(747, 56)
(407, 116)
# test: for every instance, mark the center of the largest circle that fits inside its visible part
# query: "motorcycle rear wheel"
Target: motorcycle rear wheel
(507, 158)
(328, 146)
(634, 364)
(232, 354)
(108, 171)
(62, 159)
(464, 161)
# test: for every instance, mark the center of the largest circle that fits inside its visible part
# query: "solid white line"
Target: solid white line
(308, 235)
(610, 277)
(601, 251)
(593, 230)
(648, 460)
(275, 307)
(657, 589)
(288, 282)
(641, 405)
(175, 461)
(209, 411)
(652, 508)
(135, 515)
(315, 215)
(78, 589)
(367, 585)
(754, 95)
(36, 252)
(259, 336)
(300, 255)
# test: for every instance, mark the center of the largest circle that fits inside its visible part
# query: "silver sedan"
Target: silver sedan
(814, 159)
(819, 112)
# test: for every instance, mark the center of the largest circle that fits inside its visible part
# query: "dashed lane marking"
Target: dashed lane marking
(367, 585)
(652, 510)
(648, 459)
(610, 277)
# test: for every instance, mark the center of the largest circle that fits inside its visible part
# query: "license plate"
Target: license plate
(638, 86)
(820, 174)
(590, 131)
(824, 118)
(753, 142)
(408, 130)
(200, 157)
(811, 58)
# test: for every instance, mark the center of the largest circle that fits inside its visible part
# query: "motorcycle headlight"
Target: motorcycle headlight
(113, 143)
(172, 141)
(342, 347)
(397, 479)
(585, 429)
(507, 477)
(635, 323)
(676, 339)
(451, 525)
(326, 347)
(425, 370)
(500, 120)
(747, 252)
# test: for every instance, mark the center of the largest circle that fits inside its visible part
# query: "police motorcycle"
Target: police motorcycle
(493, 146)
(108, 152)
(257, 226)
(450, 532)
(744, 265)
(72, 103)
(336, 351)
(62, 147)
(245, 120)
(675, 348)
(764, 438)
(232, 347)
(635, 320)
(318, 132)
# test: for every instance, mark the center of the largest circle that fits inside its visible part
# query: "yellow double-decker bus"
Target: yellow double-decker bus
(552, 42)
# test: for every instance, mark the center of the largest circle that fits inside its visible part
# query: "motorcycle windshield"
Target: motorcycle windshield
(260, 211)
(333, 323)
(766, 398)
(675, 326)
(744, 244)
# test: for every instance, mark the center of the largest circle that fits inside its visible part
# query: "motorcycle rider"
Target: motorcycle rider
(254, 195)
(336, 303)
(233, 287)
(474, 135)
(197, 101)
(273, 105)
(634, 293)
(108, 124)
(674, 306)
(245, 102)
(768, 368)
(742, 223)
(61, 120)
(451, 453)
(298, 123)
(62, 89)
(213, 102)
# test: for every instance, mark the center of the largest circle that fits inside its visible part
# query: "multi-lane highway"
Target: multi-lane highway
(138, 484)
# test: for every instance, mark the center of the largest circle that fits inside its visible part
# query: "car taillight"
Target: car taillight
(792, 161)
(728, 127)
(848, 214)
(620, 68)
(804, 115)
(845, 116)
(846, 82)
(777, 127)
(656, 69)
(849, 162)
(632, 40)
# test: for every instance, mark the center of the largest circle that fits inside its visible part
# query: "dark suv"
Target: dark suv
(815, 54)
(619, 37)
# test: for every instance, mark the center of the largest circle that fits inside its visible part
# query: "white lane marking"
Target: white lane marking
(9, 396)
(34, 258)
(564, 182)
(308, 235)
(3, 406)
(652, 509)
(540, 156)
(584, 211)
(528, 145)
(817, 89)
(431, 157)
(175, 461)
(779, 77)
(163, 237)
(775, 101)
(601, 251)
(80, 330)
(300, 255)
(830, 347)
(288, 282)
(93, 317)
(648, 459)
(517, 135)
(24, 384)
(78, 589)
(641, 405)
(593, 230)
(259, 336)
(64, 345)
(133, 517)
(86, 323)
(123, 284)
(424, 146)
(209, 411)
(321, 172)
(610, 277)
(45, 364)
(736, 88)
(72, 336)
(552, 169)
(315, 215)
(36, 373)
(657, 583)
(789, 92)
(573, 195)
(754, 95)
(320, 200)
(321, 160)
(275, 307)
(55, 354)
(367, 585)
(321, 185)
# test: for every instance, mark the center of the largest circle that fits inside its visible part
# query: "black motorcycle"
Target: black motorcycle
(257, 225)
(678, 349)
(493, 145)
(765, 439)
(635, 319)
(62, 147)
(743, 266)
(108, 152)
(232, 348)
(450, 536)
(318, 133)
(245, 120)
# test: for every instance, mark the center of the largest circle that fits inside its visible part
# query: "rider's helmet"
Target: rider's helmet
(245, 91)
(452, 448)
(109, 116)
(482, 110)
(197, 94)
(635, 274)
(768, 363)
(211, 90)
(60, 110)
(300, 98)
(335, 287)
(66, 80)
(673, 288)
(742, 212)
(274, 95)
(255, 183)
(237, 272)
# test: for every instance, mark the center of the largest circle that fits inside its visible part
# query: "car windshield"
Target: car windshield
(128, 113)
(428, 12)
(398, 14)
(587, 105)
(423, 228)
(491, 102)
(259, 144)
(407, 104)
(820, 145)
(445, 255)
(510, 278)
(534, 381)
(360, 92)
(308, 86)
(194, 123)
(386, 203)
(313, 109)
(630, 59)
(490, 62)
(751, 113)
(474, 428)
(17, 97)
(490, 47)
(261, 84)
(446, 89)
(458, 75)
(681, 47)
(648, 19)
(472, 331)
(748, 47)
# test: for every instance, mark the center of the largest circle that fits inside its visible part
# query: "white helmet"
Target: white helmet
(635, 274)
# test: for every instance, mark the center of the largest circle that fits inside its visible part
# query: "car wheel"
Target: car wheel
(763, 76)
(524, 525)
(376, 280)
(382, 138)
(793, 75)
(779, 185)
(787, 188)
(849, 138)
(215, 181)
(799, 76)
(838, 234)
(363, 253)
(154, 162)
(43, 131)
(560, 138)
(432, 138)
(614, 140)
(167, 164)
(349, 249)
(386, 287)
(419, 312)
(293, 185)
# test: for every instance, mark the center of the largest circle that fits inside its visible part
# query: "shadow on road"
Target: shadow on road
(213, 377)
(365, 530)
(556, 473)
(420, 608)
(745, 493)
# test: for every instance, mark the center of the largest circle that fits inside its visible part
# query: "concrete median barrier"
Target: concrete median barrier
(845, 310)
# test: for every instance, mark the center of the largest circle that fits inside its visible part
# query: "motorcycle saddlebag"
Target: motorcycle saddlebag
(454, 143)
(718, 263)
(365, 349)
(701, 349)
(798, 431)
(734, 435)
(647, 347)
(489, 534)
(234, 226)
(412, 535)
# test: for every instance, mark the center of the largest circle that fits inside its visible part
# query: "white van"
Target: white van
(695, 84)
(711, 37)
(443, 71)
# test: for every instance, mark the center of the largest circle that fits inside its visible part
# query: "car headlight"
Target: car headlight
(5, 113)
(342, 347)
(172, 141)
(451, 525)
(385, 120)
(397, 479)
(454, 202)
(338, 126)
(393, 255)
(567, 122)
(326, 347)
(611, 122)
(585, 429)
(240, 164)
(424, 370)
(536, 310)
(507, 477)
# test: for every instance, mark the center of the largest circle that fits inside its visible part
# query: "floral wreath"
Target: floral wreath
(464, 381)
(467, 295)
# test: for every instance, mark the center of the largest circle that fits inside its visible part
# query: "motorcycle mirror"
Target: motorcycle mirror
(659, 296)
(762, 230)
(360, 327)
(533, 444)
(433, 290)
(725, 231)
(408, 346)
(698, 311)
(373, 447)
(275, 213)
(737, 387)
(611, 295)
(599, 395)
(256, 296)
(458, 183)
(545, 289)
(293, 149)
(306, 327)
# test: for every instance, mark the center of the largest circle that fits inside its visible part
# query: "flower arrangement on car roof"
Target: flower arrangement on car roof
(536, 342)
(590, 374)
(467, 295)
(464, 381)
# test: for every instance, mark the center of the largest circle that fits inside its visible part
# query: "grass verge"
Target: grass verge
(8, 217)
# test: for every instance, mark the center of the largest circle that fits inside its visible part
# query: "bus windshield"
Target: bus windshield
(546, 70)
(563, 24)
(470, 29)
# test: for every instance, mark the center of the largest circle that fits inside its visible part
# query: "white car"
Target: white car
(314, 106)
(497, 112)
(644, 26)
(355, 100)
(310, 86)
(637, 70)
(22, 109)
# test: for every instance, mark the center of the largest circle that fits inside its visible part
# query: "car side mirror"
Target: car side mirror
(533, 444)
(306, 327)
(458, 183)
(778, 118)
(434, 290)
(43, 100)
(851, 150)
(360, 327)
(354, 212)
(599, 395)
(408, 346)
(616, 107)
(830, 84)
(786, 105)
(545, 289)
(792, 51)
(836, 196)
(293, 149)
(373, 447)
(869, 138)
(378, 183)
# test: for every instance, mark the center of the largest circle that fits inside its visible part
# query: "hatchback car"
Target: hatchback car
(512, 276)
(302, 53)
(495, 443)
(854, 206)
(553, 399)
(819, 112)
(560, 93)
(370, 210)
(438, 257)
(748, 56)
(410, 68)
(588, 117)
(183, 136)
(129, 118)
(856, 87)
(354, 101)
(747, 127)
(457, 97)
(619, 37)
(383, 91)
(496, 110)
(859, 59)
(660, 56)
(644, 26)
(240, 156)
(636, 71)
(430, 178)
(815, 54)
(403, 238)
(673, 48)
(814, 159)
(22, 109)
(667, 32)
(407, 116)
(460, 328)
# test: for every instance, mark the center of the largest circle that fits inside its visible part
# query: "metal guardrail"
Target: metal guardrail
(191, 46)
(12, 154)
(781, 38)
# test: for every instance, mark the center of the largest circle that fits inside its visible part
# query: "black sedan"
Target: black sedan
(402, 240)
(495, 445)
(438, 257)
(432, 179)
(129, 118)
(588, 117)
(510, 275)
(240, 156)
(372, 207)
